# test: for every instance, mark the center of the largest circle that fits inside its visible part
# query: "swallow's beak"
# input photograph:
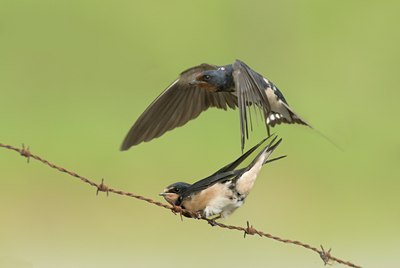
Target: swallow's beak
(170, 197)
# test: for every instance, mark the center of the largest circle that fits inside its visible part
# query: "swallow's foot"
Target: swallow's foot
(213, 221)
(196, 215)
(176, 209)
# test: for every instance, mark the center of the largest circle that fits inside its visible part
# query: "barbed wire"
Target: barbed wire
(325, 255)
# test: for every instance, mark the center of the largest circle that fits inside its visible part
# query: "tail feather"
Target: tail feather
(237, 162)
(267, 151)
(297, 119)
(274, 159)
(245, 180)
(276, 118)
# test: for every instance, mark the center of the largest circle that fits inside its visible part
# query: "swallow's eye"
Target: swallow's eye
(206, 77)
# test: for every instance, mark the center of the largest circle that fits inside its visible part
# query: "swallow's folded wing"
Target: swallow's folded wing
(178, 104)
(208, 182)
(225, 173)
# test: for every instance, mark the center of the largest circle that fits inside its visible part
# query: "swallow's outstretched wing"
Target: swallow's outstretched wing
(174, 107)
(250, 90)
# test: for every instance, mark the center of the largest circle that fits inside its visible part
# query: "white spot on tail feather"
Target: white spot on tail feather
(276, 104)
(273, 117)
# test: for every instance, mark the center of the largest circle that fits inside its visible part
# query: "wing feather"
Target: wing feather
(223, 174)
(250, 91)
(228, 172)
(175, 106)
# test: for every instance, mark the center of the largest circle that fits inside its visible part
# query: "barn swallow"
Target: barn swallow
(204, 86)
(224, 191)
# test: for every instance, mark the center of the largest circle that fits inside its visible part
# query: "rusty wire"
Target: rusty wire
(325, 255)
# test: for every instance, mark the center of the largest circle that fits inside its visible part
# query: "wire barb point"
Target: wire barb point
(102, 187)
(250, 230)
(326, 256)
(25, 152)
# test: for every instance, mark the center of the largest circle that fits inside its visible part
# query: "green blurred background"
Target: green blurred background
(75, 75)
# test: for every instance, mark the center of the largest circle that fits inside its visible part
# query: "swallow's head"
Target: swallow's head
(172, 193)
(213, 80)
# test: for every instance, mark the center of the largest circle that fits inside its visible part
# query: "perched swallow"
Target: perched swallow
(205, 86)
(224, 191)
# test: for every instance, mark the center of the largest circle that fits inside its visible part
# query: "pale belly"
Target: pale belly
(222, 206)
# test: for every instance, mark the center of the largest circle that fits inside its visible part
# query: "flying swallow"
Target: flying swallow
(224, 191)
(204, 86)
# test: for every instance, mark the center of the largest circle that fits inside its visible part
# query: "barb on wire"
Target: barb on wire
(326, 256)
(102, 187)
